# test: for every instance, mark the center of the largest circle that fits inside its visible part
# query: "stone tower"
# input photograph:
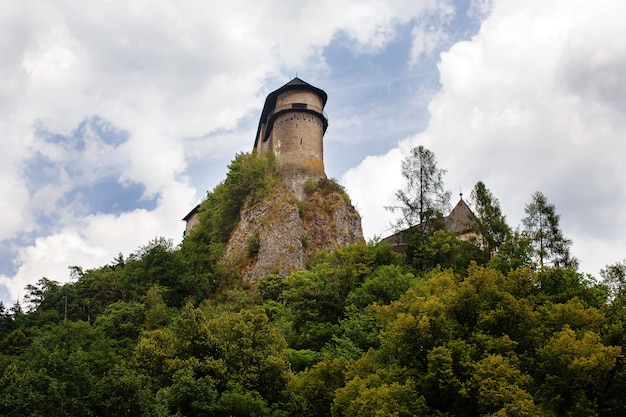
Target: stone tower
(292, 125)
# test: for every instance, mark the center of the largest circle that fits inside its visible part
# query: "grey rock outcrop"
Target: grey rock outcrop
(282, 233)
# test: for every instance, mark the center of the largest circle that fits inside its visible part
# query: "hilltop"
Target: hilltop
(274, 305)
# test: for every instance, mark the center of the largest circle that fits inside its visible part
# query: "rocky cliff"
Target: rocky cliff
(282, 233)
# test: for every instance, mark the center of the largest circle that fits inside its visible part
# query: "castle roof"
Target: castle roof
(461, 219)
(193, 211)
(295, 84)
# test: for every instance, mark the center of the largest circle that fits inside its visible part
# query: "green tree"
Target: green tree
(253, 352)
(358, 332)
(515, 251)
(386, 284)
(372, 395)
(316, 297)
(157, 312)
(223, 366)
(424, 195)
(7, 325)
(574, 370)
(250, 178)
(614, 277)
(502, 389)
(313, 390)
(491, 222)
(542, 226)
(59, 373)
(122, 321)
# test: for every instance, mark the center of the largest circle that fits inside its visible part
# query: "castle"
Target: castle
(461, 221)
(290, 226)
(292, 125)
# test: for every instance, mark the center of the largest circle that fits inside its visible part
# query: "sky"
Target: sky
(116, 117)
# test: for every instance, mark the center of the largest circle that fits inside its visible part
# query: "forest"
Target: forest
(504, 325)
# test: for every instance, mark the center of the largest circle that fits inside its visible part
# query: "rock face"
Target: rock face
(282, 233)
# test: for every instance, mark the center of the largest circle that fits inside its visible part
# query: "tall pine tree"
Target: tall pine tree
(491, 222)
(542, 226)
(424, 196)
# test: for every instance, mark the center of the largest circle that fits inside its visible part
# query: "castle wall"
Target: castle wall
(297, 141)
(296, 137)
(191, 222)
(299, 96)
(261, 145)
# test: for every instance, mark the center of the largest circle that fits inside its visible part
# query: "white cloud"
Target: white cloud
(429, 35)
(96, 239)
(425, 43)
(166, 73)
(14, 197)
(532, 102)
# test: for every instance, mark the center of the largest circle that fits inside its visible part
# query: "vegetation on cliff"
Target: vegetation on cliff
(447, 329)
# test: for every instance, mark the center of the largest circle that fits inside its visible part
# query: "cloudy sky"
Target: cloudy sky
(116, 117)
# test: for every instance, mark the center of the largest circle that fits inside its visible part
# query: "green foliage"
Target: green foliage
(314, 389)
(67, 370)
(516, 251)
(271, 287)
(447, 329)
(253, 245)
(559, 285)
(199, 365)
(542, 226)
(316, 297)
(188, 395)
(358, 332)
(156, 311)
(250, 178)
(310, 185)
(122, 321)
(476, 347)
(373, 397)
(301, 359)
(440, 249)
(574, 371)
(502, 388)
(424, 196)
(614, 277)
(384, 285)
(491, 222)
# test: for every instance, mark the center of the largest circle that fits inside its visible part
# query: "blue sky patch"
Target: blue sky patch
(109, 196)
(103, 129)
